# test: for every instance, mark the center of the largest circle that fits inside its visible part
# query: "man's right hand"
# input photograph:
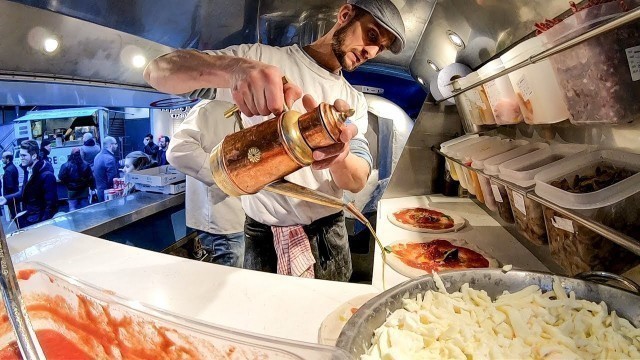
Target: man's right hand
(257, 89)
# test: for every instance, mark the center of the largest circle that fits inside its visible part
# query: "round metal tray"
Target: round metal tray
(357, 334)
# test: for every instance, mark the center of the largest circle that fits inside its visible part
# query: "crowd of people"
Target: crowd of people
(88, 172)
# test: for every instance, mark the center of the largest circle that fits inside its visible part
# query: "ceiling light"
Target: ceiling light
(138, 61)
(455, 39)
(420, 80)
(433, 65)
(51, 45)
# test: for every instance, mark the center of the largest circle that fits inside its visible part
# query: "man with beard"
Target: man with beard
(39, 193)
(277, 227)
(162, 151)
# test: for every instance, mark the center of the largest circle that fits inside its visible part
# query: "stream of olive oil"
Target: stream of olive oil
(352, 209)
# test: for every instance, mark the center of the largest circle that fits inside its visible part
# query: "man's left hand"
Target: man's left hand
(326, 157)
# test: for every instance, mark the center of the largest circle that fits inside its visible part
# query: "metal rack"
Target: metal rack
(613, 235)
(611, 25)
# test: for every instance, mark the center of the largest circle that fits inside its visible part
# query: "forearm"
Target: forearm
(351, 173)
(183, 71)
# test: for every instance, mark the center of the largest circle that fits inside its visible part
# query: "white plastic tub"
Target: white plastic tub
(521, 172)
(573, 246)
(453, 151)
(503, 100)
(536, 86)
(499, 191)
(481, 181)
(474, 103)
(445, 149)
(465, 157)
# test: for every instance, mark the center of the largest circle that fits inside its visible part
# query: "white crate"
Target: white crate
(164, 189)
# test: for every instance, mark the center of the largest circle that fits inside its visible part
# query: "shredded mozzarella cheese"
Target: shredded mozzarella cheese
(528, 324)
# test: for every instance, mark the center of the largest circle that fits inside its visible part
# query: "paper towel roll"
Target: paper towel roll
(440, 87)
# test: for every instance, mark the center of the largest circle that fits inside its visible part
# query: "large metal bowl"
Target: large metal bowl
(356, 335)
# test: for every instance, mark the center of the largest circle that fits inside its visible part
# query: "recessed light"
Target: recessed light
(51, 45)
(455, 39)
(433, 65)
(138, 61)
(420, 80)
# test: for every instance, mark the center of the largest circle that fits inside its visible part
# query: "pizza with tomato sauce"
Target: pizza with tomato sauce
(426, 220)
(415, 259)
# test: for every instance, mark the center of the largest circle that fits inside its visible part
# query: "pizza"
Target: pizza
(426, 220)
(414, 259)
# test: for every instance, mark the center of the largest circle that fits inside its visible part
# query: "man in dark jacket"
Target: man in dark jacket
(76, 175)
(10, 182)
(162, 152)
(39, 193)
(89, 149)
(150, 148)
(45, 150)
(105, 166)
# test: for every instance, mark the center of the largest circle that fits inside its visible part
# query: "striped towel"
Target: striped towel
(294, 251)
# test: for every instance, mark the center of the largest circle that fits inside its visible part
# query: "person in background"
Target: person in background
(45, 150)
(251, 75)
(10, 182)
(150, 148)
(39, 193)
(89, 149)
(216, 217)
(162, 152)
(105, 166)
(136, 160)
(77, 176)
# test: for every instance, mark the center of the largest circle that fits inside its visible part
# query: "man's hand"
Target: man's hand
(328, 156)
(257, 89)
(3, 201)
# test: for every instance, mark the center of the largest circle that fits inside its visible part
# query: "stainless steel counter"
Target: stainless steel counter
(99, 219)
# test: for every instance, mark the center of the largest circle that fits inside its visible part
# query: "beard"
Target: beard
(337, 43)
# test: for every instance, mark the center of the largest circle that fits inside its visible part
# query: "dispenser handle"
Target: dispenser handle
(235, 111)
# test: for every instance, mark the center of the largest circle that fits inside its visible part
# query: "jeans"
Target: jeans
(329, 246)
(75, 204)
(225, 249)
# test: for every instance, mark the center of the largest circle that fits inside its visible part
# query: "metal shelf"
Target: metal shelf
(611, 25)
(613, 235)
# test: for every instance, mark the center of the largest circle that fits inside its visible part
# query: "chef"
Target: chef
(282, 234)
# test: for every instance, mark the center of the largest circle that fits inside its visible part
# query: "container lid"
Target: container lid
(492, 165)
(581, 164)
(521, 171)
(499, 148)
(457, 140)
(490, 68)
(451, 150)
(465, 153)
(522, 51)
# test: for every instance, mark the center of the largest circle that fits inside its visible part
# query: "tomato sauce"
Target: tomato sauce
(424, 219)
(54, 345)
(430, 256)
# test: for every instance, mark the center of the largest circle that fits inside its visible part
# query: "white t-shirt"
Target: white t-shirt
(324, 86)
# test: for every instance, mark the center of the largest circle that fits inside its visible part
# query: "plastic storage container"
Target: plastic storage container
(536, 86)
(453, 153)
(520, 172)
(600, 78)
(503, 100)
(83, 321)
(606, 190)
(481, 181)
(464, 156)
(474, 104)
(444, 148)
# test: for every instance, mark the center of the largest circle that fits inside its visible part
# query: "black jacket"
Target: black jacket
(10, 180)
(152, 149)
(39, 195)
(162, 157)
(77, 179)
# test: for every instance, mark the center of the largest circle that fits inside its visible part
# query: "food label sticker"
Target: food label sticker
(518, 201)
(633, 56)
(496, 193)
(562, 223)
(525, 88)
